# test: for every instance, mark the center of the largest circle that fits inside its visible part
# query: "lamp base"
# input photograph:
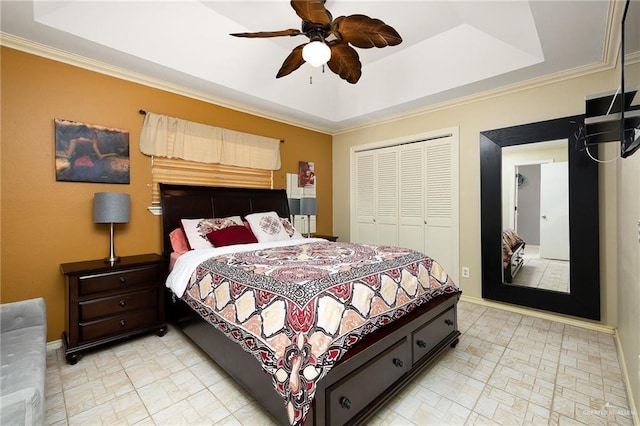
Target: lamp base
(112, 251)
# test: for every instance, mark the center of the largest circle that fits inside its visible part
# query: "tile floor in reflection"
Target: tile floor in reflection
(508, 369)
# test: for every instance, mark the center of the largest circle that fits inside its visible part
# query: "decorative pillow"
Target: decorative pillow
(267, 227)
(293, 232)
(197, 229)
(179, 241)
(236, 234)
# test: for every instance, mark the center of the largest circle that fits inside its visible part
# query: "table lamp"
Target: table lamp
(111, 208)
(308, 207)
(294, 208)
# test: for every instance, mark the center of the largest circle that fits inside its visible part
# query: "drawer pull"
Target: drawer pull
(122, 303)
(123, 323)
(122, 280)
(421, 343)
(345, 403)
(448, 322)
(398, 362)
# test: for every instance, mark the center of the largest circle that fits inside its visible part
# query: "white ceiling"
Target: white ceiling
(450, 49)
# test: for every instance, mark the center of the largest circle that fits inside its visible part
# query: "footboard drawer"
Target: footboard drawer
(425, 338)
(351, 394)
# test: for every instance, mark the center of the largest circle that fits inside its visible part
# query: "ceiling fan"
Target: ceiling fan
(331, 39)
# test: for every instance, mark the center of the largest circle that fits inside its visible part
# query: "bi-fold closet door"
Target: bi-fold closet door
(406, 195)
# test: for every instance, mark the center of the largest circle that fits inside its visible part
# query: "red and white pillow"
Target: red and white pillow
(196, 230)
(267, 227)
(293, 232)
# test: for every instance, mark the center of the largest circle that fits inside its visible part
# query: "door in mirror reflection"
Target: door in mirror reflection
(535, 211)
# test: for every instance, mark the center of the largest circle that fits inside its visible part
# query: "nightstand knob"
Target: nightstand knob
(122, 280)
(123, 303)
(398, 362)
(421, 343)
(448, 322)
(123, 323)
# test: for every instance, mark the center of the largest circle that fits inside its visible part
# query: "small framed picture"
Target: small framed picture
(91, 153)
(306, 174)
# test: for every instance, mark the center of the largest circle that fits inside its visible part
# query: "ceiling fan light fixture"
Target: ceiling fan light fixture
(316, 52)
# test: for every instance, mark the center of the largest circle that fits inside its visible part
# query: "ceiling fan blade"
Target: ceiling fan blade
(345, 61)
(362, 31)
(312, 11)
(292, 62)
(290, 32)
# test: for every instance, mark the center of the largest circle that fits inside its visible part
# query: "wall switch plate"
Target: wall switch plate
(465, 272)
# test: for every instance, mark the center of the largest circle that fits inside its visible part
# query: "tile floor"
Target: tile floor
(508, 369)
(543, 273)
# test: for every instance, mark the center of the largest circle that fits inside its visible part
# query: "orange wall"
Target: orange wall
(45, 223)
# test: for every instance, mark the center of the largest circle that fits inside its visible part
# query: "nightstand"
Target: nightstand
(109, 302)
(326, 237)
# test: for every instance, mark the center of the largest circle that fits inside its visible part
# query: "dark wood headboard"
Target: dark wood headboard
(193, 202)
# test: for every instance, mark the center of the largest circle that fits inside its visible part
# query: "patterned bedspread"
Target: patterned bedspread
(299, 308)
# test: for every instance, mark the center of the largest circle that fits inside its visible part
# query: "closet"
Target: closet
(406, 194)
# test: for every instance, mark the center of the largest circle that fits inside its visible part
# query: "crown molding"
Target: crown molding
(38, 49)
(489, 94)
(609, 60)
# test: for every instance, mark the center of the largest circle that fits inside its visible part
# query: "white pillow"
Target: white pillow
(196, 230)
(267, 227)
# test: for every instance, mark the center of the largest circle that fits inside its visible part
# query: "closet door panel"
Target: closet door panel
(440, 239)
(386, 196)
(411, 220)
(365, 229)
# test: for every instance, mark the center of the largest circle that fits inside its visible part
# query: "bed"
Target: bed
(512, 254)
(356, 372)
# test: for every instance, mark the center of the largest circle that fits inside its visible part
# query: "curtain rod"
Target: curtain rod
(143, 112)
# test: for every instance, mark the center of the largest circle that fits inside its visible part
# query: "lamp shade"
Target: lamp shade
(111, 207)
(294, 206)
(308, 206)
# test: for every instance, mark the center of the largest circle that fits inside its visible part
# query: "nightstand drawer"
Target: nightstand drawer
(108, 306)
(118, 281)
(118, 325)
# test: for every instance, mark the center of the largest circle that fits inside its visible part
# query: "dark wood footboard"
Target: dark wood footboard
(366, 378)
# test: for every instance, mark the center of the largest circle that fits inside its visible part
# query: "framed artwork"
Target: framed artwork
(306, 174)
(91, 153)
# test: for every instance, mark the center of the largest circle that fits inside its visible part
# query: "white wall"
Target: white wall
(525, 106)
(629, 267)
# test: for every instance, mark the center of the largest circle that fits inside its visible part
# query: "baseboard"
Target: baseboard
(540, 314)
(56, 344)
(625, 376)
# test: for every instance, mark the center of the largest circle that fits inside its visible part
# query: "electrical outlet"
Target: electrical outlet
(465, 272)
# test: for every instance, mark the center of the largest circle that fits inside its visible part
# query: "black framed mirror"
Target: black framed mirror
(582, 299)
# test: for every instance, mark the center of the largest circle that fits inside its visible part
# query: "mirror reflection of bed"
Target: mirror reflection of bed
(536, 215)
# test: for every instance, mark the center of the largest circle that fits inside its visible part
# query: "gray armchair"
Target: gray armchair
(23, 352)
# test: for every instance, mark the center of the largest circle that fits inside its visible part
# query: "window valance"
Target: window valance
(170, 137)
